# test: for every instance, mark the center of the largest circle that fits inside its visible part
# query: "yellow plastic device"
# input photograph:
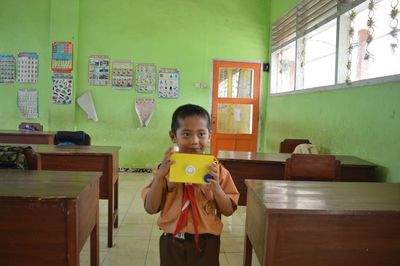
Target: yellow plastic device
(189, 168)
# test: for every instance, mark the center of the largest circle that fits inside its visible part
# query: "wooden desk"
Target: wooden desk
(87, 158)
(322, 223)
(26, 137)
(47, 216)
(271, 166)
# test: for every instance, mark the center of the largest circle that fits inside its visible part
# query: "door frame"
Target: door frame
(260, 92)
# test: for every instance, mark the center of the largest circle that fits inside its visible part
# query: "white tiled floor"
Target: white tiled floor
(136, 238)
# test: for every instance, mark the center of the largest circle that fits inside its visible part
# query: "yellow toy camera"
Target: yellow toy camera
(189, 168)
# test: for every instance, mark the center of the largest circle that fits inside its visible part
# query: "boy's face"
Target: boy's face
(192, 136)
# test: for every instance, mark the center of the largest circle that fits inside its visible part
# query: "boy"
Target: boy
(188, 216)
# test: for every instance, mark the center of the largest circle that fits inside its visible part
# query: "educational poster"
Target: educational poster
(144, 109)
(28, 103)
(61, 57)
(28, 67)
(145, 77)
(168, 83)
(61, 89)
(122, 75)
(7, 68)
(99, 70)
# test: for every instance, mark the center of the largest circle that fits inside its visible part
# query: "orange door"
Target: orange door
(235, 103)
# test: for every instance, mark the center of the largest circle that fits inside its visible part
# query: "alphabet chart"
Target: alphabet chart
(7, 68)
(28, 67)
(61, 56)
(122, 75)
(62, 89)
(168, 83)
(145, 77)
(99, 70)
(28, 103)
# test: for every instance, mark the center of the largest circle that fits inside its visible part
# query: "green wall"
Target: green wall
(24, 27)
(181, 34)
(364, 121)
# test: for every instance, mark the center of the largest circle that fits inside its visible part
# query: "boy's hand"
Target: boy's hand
(213, 170)
(163, 170)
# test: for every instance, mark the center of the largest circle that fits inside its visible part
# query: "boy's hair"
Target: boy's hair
(189, 110)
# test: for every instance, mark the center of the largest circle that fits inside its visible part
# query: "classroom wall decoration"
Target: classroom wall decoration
(85, 101)
(144, 109)
(7, 68)
(122, 75)
(28, 67)
(168, 83)
(61, 89)
(145, 77)
(61, 57)
(99, 70)
(27, 103)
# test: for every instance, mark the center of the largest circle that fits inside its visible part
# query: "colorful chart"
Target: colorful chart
(61, 57)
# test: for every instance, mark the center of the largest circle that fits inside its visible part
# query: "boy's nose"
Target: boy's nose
(195, 139)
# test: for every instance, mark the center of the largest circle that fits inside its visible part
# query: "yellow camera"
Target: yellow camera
(189, 168)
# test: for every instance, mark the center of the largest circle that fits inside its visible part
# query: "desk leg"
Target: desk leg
(248, 252)
(94, 245)
(116, 203)
(110, 221)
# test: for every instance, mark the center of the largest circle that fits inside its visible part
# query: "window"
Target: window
(325, 43)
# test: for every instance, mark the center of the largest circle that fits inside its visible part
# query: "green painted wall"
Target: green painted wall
(364, 122)
(183, 34)
(24, 27)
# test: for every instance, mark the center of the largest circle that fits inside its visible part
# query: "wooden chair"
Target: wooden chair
(312, 167)
(32, 159)
(30, 126)
(288, 145)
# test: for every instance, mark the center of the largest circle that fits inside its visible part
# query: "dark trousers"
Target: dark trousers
(179, 252)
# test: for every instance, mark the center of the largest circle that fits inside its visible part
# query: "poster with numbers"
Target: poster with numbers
(168, 83)
(145, 77)
(28, 67)
(28, 103)
(7, 68)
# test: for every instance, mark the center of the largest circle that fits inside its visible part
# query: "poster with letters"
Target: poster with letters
(7, 68)
(28, 103)
(168, 83)
(28, 68)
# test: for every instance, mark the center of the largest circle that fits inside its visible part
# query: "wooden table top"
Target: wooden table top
(84, 149)
(337, 197)
(77, 149)
(26, 132)
(281, 157)
(44, 184)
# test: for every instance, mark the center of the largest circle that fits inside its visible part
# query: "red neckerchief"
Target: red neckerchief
(189, 201)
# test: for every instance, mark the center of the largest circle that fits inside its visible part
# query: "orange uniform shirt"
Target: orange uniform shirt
(209, 222)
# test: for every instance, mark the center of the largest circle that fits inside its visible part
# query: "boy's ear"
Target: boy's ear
(172, 136)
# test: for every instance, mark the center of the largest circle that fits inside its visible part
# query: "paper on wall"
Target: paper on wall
(85, 101)
(28, 103)
(144, 109)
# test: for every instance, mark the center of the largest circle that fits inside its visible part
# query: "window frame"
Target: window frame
(343, 6)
